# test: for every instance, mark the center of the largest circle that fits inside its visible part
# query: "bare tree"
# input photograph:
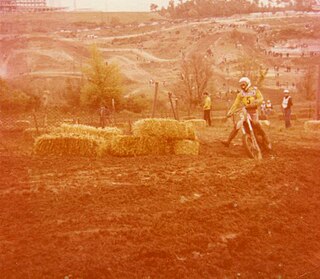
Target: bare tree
(195, 75)
(307, 85)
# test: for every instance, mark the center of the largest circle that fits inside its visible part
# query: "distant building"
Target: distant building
(25, 6)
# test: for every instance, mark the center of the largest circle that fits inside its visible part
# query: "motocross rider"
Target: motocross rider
(251, 98)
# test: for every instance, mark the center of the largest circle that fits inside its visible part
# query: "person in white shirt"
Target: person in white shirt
(269, 107)
(286, 108)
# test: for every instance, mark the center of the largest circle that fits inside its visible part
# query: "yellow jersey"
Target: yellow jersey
(251, 99)
(207, 103)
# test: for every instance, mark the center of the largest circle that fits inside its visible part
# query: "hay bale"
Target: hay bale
(312, 125)
(186, 147)
(22, 124)
(68, 144)
(33, 132)
(126, 146)
(196, 123)
(69, 121)
(107, 132)
(163, 128)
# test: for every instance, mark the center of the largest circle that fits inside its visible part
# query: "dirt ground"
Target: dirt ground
(218, 215)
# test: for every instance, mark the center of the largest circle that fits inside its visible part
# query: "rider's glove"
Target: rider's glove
(229, 114)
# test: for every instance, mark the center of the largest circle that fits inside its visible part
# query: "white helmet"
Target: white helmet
(245, 80)
(286, 91)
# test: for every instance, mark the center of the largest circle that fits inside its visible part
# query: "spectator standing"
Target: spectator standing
(269, 108)
(286, 108)
(104, 113)
(263, 109)
(207, 108)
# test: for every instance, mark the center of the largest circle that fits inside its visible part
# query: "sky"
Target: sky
(109, 5)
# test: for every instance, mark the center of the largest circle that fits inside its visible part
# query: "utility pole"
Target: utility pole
(318, 97)
(156, 89)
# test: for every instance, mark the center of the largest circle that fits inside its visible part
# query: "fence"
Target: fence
(52, 117)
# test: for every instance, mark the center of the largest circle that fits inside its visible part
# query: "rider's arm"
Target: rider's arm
(235, 105)
(259, 98)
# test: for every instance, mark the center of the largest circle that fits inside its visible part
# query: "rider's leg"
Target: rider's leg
(255, 121)
(232, 135)
(260, 131)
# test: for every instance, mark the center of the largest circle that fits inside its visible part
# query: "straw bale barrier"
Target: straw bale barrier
(33, 132)
(126, 146)
(163, 128)
(107, 132)
(196, 123)
(68, 144)
(22, 124)
(151, 137)
(312, 125)
(186, 147)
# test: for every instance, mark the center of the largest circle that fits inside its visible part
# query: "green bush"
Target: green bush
(12, 100)
(136, 103)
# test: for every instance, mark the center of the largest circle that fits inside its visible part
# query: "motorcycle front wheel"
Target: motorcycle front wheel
(251, 149)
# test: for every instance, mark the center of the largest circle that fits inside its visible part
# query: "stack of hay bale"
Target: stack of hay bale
(196, 123)
(76, 140)
(150, 137)
(157, 137)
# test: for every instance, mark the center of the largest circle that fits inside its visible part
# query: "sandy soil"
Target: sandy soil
(218, 215)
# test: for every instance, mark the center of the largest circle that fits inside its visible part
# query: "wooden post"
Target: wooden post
(129, 127)
(113, 112)
(156, 84)
(318, 97)
(172, 106)
(36, 122)
(177, 108)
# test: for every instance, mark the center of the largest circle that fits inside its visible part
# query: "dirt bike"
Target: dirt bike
(252, 141)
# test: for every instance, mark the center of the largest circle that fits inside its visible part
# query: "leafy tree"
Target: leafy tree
(206, 8)
(136, 103)
(153, 7)
(15, 100)
(72, 92)
(103, 82)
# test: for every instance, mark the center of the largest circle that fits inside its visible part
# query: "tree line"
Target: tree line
(215, 8)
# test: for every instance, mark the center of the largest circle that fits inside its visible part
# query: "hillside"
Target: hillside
(42, 50)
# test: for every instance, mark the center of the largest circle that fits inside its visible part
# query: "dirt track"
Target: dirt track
(219, 215)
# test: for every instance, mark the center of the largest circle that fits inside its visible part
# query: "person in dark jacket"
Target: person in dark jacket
(286, 108)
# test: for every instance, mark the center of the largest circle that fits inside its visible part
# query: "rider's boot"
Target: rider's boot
(232, 135)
